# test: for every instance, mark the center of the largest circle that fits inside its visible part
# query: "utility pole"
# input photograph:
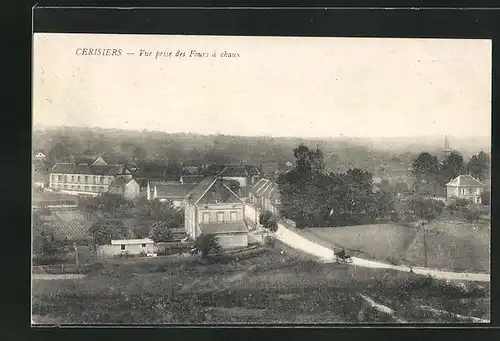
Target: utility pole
(425, 243)
(76, 253)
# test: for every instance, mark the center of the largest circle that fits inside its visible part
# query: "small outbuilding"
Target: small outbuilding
(128, 247)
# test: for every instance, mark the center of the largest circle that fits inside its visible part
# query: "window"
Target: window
(234, 216)
(123, 247)
(143, 246)
(86, 188)
(59, 178)
(72, 178)
(79, 179)
(54, 178)
(220, 217)
(86, 178)
(206, 217)
(463, 191)
(101, 179)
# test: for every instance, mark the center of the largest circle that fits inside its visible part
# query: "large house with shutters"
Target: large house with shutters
(465, 187)
(84, 178)
(213, 209)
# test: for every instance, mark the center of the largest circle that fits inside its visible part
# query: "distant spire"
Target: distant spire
(446, 143)
(446, 148)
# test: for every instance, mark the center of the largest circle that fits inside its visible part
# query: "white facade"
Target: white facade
(127, 246)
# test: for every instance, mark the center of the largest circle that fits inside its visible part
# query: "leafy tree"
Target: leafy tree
(425, 166)
(469, 214)
(268, 221)
(426, 209)
(308, 160)
(141, 230)
(234, 186)
(486, 197)
(161, 232)
(457, 205)
(452, 167)
(207, 243)
(59, 152)
(139, 154)
(479, 166)
(105, 229)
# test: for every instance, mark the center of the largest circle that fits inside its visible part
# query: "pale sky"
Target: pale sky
(279, 86)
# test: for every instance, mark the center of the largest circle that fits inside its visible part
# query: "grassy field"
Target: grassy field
(456, 247)
(48, 198)
(273, 287)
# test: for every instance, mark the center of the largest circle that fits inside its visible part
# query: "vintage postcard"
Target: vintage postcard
(189, 180)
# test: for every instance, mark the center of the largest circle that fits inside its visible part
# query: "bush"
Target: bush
(486, 198)
(207, 243)
(268, 221)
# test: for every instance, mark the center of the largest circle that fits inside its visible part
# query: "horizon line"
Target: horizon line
(43, 126)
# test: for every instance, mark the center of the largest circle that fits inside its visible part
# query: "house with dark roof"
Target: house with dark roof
(125, 187)
(212, 208)
(244, 174)
(191, 179)
(173, 191)
(84, 179)
(265, 195)
(465, 187)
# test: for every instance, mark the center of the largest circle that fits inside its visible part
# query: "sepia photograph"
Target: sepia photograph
(265, 180)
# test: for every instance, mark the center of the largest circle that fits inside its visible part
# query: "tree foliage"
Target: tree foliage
(425, 166)
(268, 221)
(160, 231)
(107, 228)
(425, 209)
(479, 166)
(311, 197)
(452, 166)
(207, 243)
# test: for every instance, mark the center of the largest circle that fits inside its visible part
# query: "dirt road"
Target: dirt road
(326, 255)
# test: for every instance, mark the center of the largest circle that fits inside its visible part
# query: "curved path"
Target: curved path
(325, 255)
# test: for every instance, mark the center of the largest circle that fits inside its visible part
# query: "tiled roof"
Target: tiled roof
(221, 228)
(266, 188)
(70, 168)
(240, 170)
(192, 179)
(233, 170)
(190, 169)
(465, 181)
(120, 182)
(131, 241)
(199, 190)
(85, 159)
(173, 190)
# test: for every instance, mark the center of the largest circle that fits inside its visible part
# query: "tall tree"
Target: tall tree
(139, 154)
(479, 166)
(425, 166)
(107, 228)
(59, 152)
(451, 167)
